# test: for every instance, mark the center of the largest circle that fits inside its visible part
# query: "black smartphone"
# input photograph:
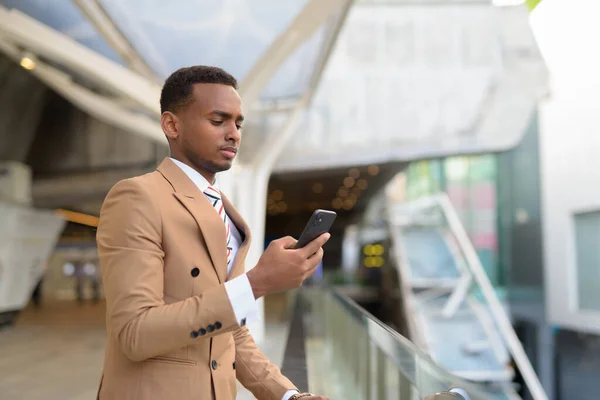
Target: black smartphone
(319, 223)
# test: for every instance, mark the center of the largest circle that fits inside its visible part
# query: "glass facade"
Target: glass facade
(471, 184)
(587, 237)
(231, 34)
(497, 197)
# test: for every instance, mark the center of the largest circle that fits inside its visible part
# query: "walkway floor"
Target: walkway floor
(56, 353)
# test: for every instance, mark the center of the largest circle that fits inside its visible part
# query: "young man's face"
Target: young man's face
(208, 128)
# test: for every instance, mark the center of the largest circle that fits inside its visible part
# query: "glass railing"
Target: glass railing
(352, 355)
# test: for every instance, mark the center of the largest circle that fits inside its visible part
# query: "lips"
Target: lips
(229, 152)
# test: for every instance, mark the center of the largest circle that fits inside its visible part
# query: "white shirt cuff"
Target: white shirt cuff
(289, 394)
(242, 300)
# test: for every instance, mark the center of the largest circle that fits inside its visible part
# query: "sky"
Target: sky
(567, 33)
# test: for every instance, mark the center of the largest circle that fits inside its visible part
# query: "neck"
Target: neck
(208, 175)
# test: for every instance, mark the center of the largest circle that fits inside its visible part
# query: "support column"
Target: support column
(250, 194)
(247, 184)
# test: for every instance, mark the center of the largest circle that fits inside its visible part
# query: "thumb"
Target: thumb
(287, 242)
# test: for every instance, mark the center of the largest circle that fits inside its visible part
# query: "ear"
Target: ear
(170, 125)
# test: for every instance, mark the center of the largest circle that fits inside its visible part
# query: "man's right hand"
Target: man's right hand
(281, 267)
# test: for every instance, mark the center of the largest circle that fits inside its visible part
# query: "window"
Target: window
(587, 246)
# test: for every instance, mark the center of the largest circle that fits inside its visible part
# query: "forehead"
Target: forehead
(209, 97)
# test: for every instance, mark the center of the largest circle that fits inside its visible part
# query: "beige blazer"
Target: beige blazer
(172, 332)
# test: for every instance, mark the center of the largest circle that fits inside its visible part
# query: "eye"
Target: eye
(216, 122)
(239, 127)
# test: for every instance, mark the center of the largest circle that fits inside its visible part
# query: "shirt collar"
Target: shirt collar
(195, 176)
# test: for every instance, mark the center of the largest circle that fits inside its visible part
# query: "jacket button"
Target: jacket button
(195, 272)
(202, 332)
(218, 325)
(194, 334)
(210, 328)
(214, 364)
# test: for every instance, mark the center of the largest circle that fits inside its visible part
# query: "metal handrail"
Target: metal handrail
(390, 342)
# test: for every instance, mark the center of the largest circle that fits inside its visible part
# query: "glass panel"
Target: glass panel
(231, 34)
(365, 359)
(65, 17)
(293, 77)
(587, 237)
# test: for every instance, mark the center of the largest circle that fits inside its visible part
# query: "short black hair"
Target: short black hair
(178, 88)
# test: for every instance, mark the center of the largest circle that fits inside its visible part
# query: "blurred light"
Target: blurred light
(355, 173)
(317, 188)
(78, 218)
(378, 250)
(270, 201)
(371, 261)
(313, 205)
(368, 250)
(27, 63)
(348, 181)
(457, 168)
(348, 204)
(68, 269)
(373, 170)
(521, 216)
(89, 269)
(377, 261)
(282, 206)
(362, 184)
(337, 203)
(273, 210)
(277, 195)
(342, 192)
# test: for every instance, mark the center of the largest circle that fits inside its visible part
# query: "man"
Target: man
(172, 250)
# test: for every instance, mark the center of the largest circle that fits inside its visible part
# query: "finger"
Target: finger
(287, 242)
(313, 246)
(313, 262)
(309, 272)
(316, 257)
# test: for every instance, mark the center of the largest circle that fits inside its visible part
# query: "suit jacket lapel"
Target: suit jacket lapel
(208, 221)
(233, 214)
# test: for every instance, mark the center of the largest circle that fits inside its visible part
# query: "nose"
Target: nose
(233, 133)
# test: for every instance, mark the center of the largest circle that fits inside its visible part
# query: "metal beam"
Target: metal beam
(36, 37)
(105, 109)
(105, 25)
(306, 23)
(266, 157)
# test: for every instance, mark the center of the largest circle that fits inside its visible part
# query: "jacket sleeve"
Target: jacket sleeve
(130, 250)
(255, 371)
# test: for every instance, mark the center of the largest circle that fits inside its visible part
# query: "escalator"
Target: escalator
(452, 311)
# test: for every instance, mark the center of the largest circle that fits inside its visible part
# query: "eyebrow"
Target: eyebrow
(227, 115)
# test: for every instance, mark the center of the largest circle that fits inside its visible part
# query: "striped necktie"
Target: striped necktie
(214, 196)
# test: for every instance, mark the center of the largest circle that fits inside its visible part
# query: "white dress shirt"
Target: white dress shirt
(238, 289)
